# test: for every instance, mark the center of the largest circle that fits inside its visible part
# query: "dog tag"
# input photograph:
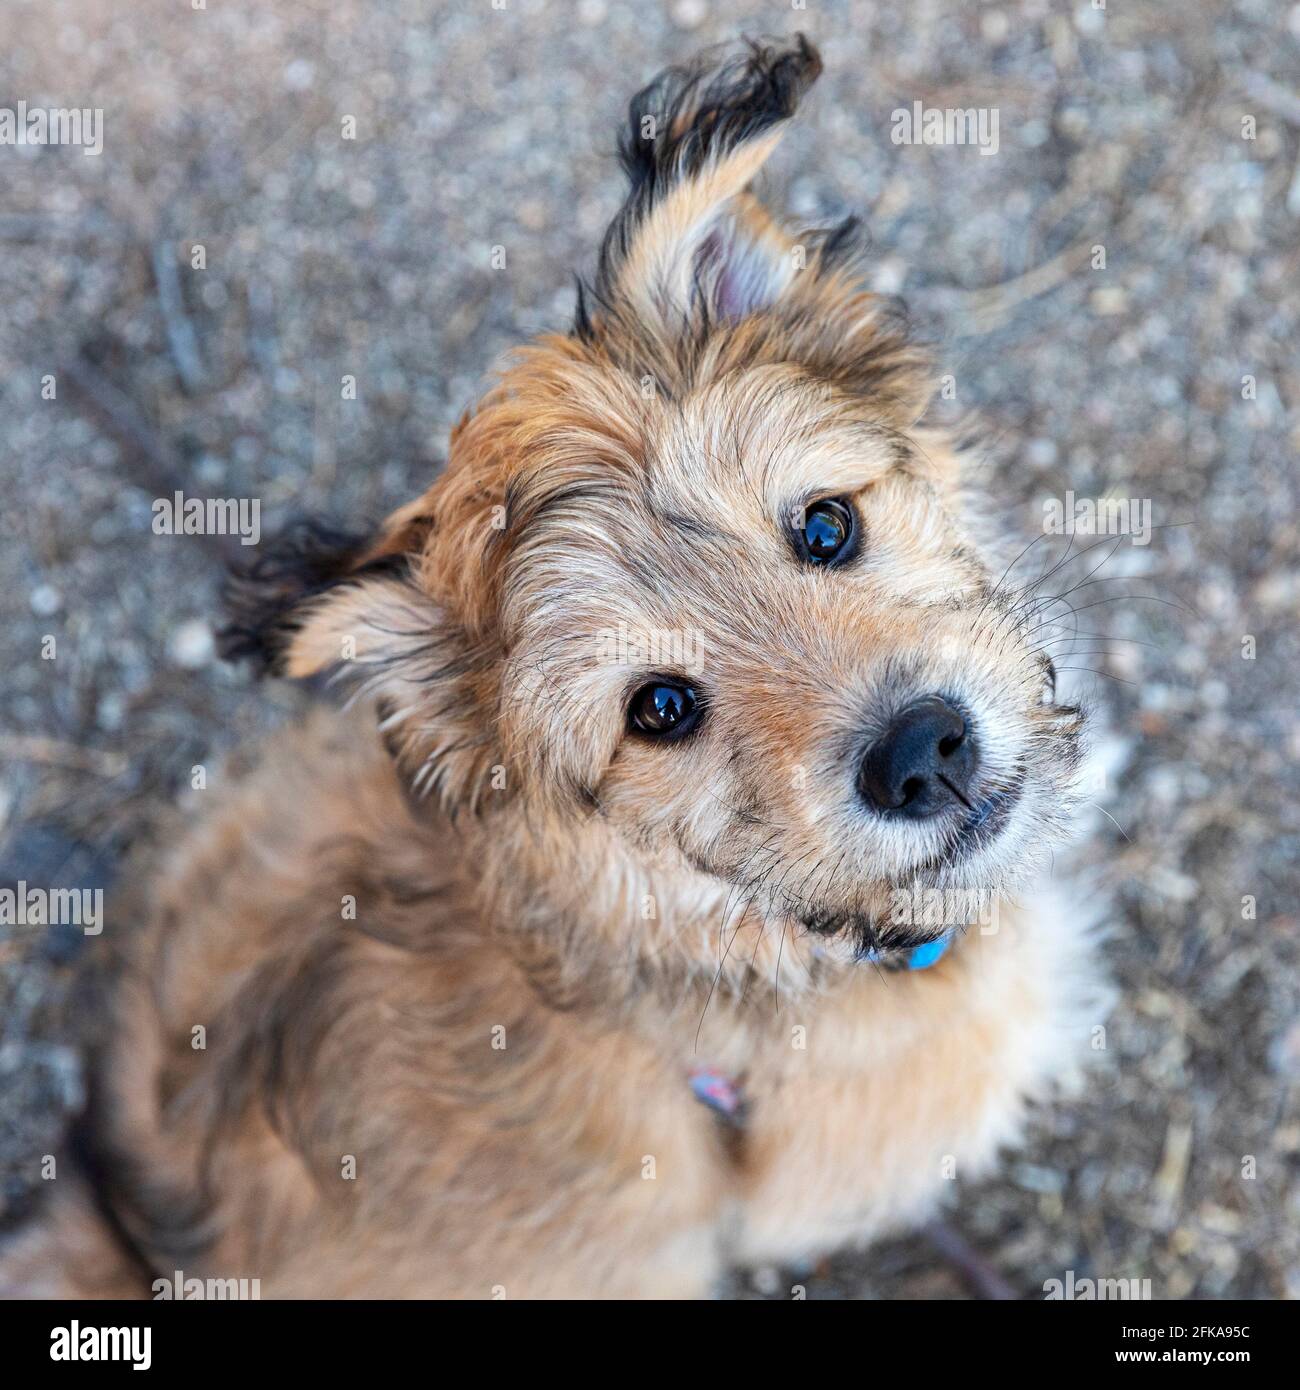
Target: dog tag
(720, 1092)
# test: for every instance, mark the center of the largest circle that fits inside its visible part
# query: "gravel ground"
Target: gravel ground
(1167, 135)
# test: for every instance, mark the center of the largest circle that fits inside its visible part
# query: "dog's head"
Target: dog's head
(698, 581)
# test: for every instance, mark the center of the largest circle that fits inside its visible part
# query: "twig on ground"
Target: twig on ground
(979, 1274)
(181, 337)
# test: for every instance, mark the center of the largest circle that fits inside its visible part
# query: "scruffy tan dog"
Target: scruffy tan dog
(601, 944)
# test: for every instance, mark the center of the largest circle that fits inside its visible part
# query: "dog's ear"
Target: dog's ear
(323, 602)
(267, 600)
(690, 244)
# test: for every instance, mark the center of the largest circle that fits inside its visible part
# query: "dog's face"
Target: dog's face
(698, 573)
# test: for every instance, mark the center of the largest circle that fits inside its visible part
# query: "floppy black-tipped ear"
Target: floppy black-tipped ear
(266, 599)
(685, 240)
(321, 602)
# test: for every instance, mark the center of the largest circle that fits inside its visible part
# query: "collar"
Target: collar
(914, 958)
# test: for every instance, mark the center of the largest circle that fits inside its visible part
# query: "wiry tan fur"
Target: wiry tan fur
(555, 920)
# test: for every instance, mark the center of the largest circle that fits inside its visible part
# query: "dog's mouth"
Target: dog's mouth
(976, 833)
(984, 822)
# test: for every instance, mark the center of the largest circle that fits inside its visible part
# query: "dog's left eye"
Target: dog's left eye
(826, 532)
(662, 710)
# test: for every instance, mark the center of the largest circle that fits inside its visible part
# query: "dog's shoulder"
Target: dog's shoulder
(309, 836)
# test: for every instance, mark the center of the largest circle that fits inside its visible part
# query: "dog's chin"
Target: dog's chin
(1001, 843)
(1001, 847)
(974, 853)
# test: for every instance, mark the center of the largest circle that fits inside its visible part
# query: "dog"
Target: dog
(605, 940)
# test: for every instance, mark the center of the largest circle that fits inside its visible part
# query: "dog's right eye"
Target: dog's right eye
(663, 710)
(827, 534)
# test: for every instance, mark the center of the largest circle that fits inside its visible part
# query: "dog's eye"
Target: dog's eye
(660, 709)
(826, 531)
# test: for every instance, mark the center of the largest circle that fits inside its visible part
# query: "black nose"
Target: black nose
(924, 762)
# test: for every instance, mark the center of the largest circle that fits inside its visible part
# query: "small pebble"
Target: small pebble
(192, 645)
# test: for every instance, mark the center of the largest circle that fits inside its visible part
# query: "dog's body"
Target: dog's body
(367, 1040)
(564, 1155)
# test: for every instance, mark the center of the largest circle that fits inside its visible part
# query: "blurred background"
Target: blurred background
(1168, 135)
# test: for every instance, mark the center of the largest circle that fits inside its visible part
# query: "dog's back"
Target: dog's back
(322, 1070)
(180, 978)
(299, 1054)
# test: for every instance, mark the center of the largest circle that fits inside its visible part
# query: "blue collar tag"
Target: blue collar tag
(917, 958)
(922, 957)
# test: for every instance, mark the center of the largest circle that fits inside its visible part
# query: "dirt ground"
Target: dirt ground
(1167, 135)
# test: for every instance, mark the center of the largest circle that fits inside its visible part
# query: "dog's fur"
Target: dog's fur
(453, 972)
